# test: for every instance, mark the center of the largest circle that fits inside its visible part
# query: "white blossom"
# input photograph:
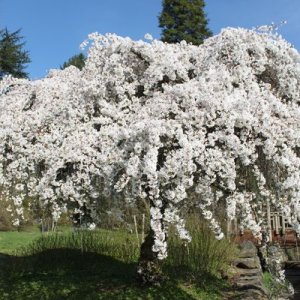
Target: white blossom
(170, 123)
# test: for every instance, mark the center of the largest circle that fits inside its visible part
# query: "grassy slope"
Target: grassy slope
(69, 274)
(73, 274)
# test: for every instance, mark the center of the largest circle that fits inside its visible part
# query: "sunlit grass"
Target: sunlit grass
(117, 244)
(101, 264)
(12, 240)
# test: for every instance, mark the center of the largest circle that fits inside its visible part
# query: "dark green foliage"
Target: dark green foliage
(5, 218)
(77, 60)
(13, 58)
(204, 255)
(184, 20)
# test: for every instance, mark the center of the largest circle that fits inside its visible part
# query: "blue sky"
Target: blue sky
(54, 29)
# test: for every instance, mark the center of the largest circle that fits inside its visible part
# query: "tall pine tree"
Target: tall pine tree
(77, 60)
(184, 20)
(13, 58)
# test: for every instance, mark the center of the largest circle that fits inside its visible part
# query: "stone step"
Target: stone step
(248, 263)
(249, 281)
(248, 272)
(257, 277)
(251, 285)
(253, 294)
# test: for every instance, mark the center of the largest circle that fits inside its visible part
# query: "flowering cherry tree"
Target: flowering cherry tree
(219, 123)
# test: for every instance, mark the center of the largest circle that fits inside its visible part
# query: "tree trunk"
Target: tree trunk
(149, 270)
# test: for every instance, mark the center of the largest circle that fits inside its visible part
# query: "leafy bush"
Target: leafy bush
(204, 254)
(5, 218)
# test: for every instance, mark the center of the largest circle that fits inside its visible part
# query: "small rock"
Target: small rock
(247, 249)
(277, 253)
(248, 263)
(250, 283)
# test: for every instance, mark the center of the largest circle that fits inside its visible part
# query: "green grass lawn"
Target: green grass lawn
(12, 240)
(91, 265)
(70, 274)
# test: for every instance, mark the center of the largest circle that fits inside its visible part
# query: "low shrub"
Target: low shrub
(204, 254)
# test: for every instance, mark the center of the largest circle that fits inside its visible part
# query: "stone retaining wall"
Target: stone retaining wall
(248, 281)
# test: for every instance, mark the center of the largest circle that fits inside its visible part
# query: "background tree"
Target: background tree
(184, 20)
(77, 60)
(13, 58)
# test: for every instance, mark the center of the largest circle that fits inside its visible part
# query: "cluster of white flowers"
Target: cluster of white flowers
(162, 122)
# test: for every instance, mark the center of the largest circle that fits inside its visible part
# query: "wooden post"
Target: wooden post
(269, 220)
(276, 221)
(228, 228)
(235, 226)
(143, 228)
(283, 224)
(136, 230)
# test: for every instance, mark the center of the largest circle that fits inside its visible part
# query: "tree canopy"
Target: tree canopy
(162, 122)
(77, 60)
(184, 20)
(13, 58)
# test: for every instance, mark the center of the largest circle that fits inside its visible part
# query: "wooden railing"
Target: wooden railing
(278, 228)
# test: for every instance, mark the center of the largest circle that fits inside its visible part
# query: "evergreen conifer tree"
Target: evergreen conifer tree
(13, 58)
(77, 60)
(184, 20)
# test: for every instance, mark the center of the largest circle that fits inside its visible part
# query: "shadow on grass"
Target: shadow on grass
(200, 280)
(70, 274)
